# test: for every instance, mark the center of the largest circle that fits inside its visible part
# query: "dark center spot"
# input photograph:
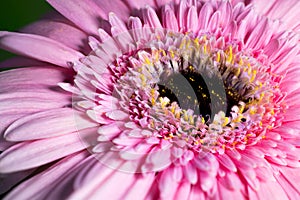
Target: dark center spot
(189, 90)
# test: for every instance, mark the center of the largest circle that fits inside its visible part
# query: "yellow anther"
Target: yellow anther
(177, 115)
(166, 138)
(147, 61)
(204, 48)
(196, 42)
(253, 76)
(218, 57)
(238, 119)
(156, 55)
(202, 120)
(173, 109)
(261, 96)
(152, 91)
(270, 127)
(242, 107)
(226, 121)
(237, 72)
(241, 62)
(152, 101)
(229, 53)
(172, 54)
(143, 78)
(192, 120)
(182, 44)
(252, 111)
(163, 52)
(163, 102)
(185, 116)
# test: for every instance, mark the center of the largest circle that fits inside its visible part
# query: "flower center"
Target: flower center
(200, 93)
(212, 97)
(188, 89)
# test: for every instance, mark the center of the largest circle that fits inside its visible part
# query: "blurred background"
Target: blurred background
(15, 14)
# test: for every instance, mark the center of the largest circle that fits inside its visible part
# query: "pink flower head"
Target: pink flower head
(153, 100)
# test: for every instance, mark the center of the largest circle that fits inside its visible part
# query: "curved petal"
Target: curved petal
(38, 47)
(20, 61)
(61, 32)
(42, 184)
(77, 10)
(7, 181)
(55, 122)
(27, 155)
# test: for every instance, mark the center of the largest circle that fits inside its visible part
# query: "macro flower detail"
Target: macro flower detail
(152, 100)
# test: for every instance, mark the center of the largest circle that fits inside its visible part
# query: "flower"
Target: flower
(153, 100)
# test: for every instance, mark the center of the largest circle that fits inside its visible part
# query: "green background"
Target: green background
(15, 14)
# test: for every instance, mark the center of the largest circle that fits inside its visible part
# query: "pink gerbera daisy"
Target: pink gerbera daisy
(153, 100)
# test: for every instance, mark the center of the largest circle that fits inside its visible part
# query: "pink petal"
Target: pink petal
(183, 191)
(31, 104)
(43, 76)
(292, 176)
(55, 122)
(37, 153)
(224, 193)
(271, 190)
(204, 15)
(61, 32)
(192, 19)
(116, 22)
(150, 17)
(290, 188)
(181, 14)
(226, 13)
(141, 186)
(76, 11)
(7, 181)
(196, 193)
(104, 191)
(41, 184)
(140, 4)
(214, 21)
(120, 8)
(231, 181)
(167, 186)
(227, 162)
(38, 47)
(169, 19)
(261, 35)
(191, 173)
(20, 62)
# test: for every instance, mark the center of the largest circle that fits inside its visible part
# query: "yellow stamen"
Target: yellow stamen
(218, 57)
(237, 72)
(204, 49)
(229, 53)
(241, 62)
(226, 121)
